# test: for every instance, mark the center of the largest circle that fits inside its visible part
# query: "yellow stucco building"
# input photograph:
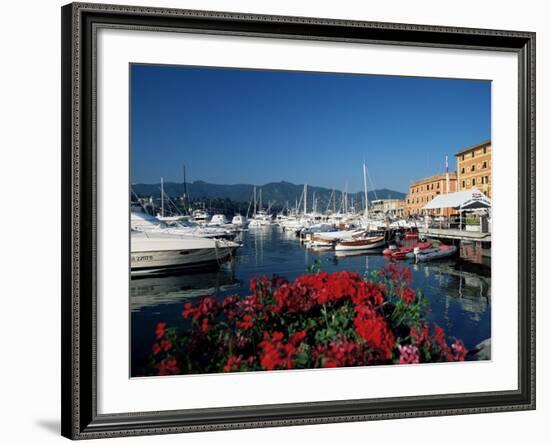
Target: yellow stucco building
(474, 168)
(425, 190)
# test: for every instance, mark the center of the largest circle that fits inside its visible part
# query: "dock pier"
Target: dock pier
(455, 234)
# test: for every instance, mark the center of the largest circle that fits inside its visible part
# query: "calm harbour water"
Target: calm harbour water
(458, 289)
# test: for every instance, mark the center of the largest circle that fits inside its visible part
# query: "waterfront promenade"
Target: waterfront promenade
(455, 234)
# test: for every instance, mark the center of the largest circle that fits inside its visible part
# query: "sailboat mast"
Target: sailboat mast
(254, 200)
(162, 196)
(366, 189)
(305, 199)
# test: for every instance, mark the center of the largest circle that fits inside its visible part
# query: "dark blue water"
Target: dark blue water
(459, 289)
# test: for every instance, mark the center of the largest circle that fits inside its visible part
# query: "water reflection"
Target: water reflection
(165, 290)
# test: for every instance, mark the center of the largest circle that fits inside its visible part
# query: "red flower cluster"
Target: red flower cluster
(374, 329)
(340, 353)
(279, 355)
(164, 345)
(168, 367)
(312, 290)
(459, 350)
(456, 352)
(206, 307)
(318, 320)
(397, 274)
(159, 331)
(420, 334)
(408, 354)
(406, 294)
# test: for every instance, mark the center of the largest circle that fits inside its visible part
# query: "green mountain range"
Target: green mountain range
(278, 194)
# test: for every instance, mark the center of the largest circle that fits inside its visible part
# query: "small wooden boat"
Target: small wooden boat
(443, 251)
(360, 243)
(390, 250)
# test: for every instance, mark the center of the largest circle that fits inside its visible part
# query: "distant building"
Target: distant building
(425, 190)
(474, 168)
(389, 207)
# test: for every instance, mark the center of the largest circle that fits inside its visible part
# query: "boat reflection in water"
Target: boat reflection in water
(177, 289)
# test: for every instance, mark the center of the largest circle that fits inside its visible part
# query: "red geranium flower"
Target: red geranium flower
(160, 329)
(168, 367)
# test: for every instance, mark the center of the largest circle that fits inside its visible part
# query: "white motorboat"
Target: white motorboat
(140, 221)
(170, 218)
(260, 219)
(240, 221)
(217, 220)
(157, 252)
(360, 243)
(200, 216)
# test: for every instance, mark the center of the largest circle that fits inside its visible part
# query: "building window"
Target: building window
(462, 171)
(473, 154)
(473, 168)
(485, 150)
(437, 185)
(484, 165)
(463, 184)
(462, 157)
(473, 181)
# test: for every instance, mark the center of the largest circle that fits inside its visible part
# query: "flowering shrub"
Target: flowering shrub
(320, 320)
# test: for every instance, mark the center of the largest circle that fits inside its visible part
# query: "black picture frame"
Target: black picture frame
(79, 207)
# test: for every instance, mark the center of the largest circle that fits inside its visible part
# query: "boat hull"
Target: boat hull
(165, 261)
(166, 253)
(442, 252)
(361, 244)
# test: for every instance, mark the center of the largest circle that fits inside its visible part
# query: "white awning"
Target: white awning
(458, 199)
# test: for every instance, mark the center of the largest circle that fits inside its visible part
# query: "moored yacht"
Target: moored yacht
(240, 221)
(141, 221)
(218, 220)
(200, 216)
(159, 252)
(260, 219)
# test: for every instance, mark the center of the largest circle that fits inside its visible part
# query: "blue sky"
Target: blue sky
(249, 126)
